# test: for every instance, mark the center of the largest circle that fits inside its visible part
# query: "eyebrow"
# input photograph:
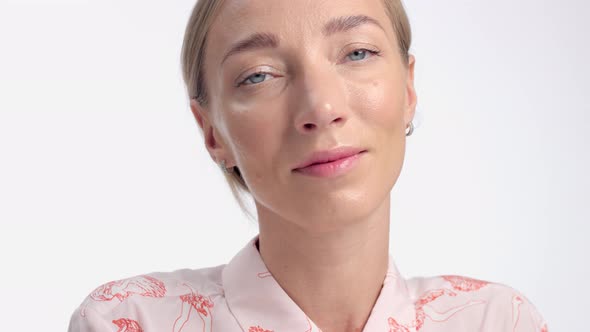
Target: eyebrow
(261, 40)
(345, 23)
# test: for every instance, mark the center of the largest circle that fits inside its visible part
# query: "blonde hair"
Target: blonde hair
(193, 58)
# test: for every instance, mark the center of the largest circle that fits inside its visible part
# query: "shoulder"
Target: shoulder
(155, 291)
(494, 304)
(452, 283)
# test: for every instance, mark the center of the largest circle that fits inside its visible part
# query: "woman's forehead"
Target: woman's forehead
(235, 15)
(245, 8)
(238, 19)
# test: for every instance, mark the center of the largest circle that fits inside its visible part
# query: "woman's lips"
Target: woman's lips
(324, 156)
(332, 168)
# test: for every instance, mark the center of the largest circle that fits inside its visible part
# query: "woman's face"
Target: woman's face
(308, 83)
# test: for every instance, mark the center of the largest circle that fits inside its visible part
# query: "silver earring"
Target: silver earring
(225, 169)
(411, 126)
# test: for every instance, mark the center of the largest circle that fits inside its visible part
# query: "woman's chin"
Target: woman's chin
(331, 212)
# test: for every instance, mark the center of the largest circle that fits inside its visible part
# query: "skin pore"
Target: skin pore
(307, 86)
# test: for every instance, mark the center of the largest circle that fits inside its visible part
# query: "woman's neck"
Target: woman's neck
(334, 277)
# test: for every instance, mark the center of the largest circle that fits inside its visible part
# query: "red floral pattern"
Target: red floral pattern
(258, 329)
(127, 325)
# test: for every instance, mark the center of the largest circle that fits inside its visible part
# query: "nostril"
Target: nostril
(309, 125)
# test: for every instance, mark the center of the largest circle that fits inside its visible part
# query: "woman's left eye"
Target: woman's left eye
(361, 54)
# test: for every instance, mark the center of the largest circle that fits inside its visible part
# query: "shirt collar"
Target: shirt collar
(257, 301)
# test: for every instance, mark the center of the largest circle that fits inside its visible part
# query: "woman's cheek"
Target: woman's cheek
(247, 128)
(367, 99)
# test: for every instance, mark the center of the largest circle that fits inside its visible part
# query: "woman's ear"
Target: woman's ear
(411, 97)
(213, 144)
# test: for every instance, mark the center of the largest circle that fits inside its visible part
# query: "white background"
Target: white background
(103, 174)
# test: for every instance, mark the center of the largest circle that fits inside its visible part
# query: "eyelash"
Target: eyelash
(370, 51)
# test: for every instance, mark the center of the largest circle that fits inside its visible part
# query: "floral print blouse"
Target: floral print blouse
(243, 296)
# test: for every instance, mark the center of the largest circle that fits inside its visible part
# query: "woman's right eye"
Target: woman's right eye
(254, 79)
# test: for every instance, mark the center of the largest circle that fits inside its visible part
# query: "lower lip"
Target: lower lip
(332, 168)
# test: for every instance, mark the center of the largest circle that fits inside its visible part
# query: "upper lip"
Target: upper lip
(325, 156)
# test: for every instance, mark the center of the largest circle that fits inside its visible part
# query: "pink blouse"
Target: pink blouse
(243, 296)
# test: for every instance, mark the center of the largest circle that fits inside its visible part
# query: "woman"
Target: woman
(306, 105)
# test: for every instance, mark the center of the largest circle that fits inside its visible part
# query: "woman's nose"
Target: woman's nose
(321, 103)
